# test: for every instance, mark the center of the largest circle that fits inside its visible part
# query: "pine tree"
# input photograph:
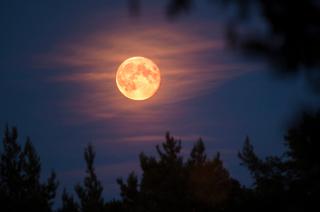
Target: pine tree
(20, 170)
(68, 203)
(289, 182)
(163, 179)
(198, 155)
(169, 151)
(169, 184)
(209, 183)
(90, 193)
(129, 192)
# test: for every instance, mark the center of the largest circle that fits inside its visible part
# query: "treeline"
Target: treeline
(290, 182)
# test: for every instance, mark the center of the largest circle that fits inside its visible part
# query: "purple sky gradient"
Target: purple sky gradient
(57, 84)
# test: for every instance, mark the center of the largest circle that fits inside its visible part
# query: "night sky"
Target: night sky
(58, 61)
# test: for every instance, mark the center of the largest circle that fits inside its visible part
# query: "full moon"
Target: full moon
(138, 78)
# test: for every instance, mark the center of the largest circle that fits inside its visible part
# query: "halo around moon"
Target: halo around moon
(138, 78)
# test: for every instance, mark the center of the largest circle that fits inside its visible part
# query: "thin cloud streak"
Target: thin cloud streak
(155, 138)
(191, 65)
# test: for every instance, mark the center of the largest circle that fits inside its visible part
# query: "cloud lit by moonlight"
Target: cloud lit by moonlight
(191, 65)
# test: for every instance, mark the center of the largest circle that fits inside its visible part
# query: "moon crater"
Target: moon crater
(138, 78)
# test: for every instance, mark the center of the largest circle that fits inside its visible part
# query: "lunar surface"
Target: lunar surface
(138, 78)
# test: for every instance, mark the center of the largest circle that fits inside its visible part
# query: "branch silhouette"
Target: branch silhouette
(169, 182)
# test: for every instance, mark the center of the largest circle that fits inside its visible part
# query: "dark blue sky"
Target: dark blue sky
(57, 66)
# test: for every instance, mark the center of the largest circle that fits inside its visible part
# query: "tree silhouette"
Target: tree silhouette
(129, 192)
(302, 140)
(176, 7)
(198, 156)
(20, 169)
(209, 183)
(270, 179)
(90, 193)
(170, 184)
(291, 181)
(68, 203)
(117, 206)
(290, 42)
(163, 182)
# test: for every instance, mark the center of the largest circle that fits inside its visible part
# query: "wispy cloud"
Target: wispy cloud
(191, 63)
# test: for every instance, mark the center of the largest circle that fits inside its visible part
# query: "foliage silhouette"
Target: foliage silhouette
(198, 156)
(176, 7)
(292, 38)
(90, 193)
(289, 182)
(20, 169)
(292, 182)
(162, 183)
(129, 191)
(170, 184)
(68, 203)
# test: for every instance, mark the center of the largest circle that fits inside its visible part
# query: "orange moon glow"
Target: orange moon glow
(138, 78)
